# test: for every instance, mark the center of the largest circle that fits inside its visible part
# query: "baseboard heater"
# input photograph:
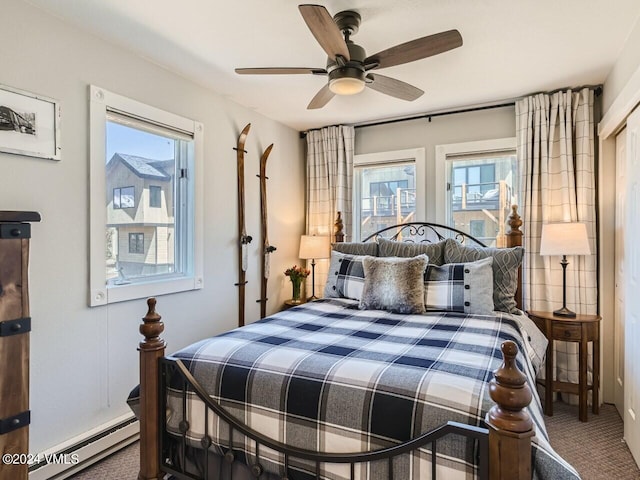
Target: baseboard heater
(87, 448)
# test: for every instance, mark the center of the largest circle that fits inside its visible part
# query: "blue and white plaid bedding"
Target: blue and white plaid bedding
(328, 377)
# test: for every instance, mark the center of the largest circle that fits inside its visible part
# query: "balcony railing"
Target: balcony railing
(403, 203)
(479, 196)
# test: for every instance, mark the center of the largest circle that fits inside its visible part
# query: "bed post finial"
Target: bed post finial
(151, 328)
(339, 228)
(510, 426)
(151, 350)
(515, 222)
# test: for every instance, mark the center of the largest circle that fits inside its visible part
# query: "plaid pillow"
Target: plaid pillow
(505, 269)
(460, 287)
(346, 276)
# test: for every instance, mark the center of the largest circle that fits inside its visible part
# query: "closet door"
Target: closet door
(618, 339)
(632, 287)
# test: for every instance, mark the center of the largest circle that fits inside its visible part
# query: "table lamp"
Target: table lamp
(312, 247)
(564, 239)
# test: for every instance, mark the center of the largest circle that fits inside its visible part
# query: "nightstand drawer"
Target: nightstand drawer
(563, 331)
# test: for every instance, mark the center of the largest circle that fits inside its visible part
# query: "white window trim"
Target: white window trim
(99, 294)
(455, 149)
(416, 155)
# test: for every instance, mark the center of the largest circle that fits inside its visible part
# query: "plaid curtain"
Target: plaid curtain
(557, 181)
(329, 185)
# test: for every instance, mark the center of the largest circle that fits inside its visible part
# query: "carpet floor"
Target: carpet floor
(594, 448)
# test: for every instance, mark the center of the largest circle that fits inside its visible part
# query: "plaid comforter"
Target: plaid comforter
(328, 377)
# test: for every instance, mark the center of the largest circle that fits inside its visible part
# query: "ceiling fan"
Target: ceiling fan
(348, 65)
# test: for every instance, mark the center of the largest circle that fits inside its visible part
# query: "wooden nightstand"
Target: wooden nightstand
(291, 303)
(581, 329)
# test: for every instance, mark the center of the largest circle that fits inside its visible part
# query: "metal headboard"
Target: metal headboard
(424, 232)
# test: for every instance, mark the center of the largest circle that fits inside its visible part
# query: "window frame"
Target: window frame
(457, 149)
(156, 188)
(381, 159)
(138, 236)
(120, 207)
(100, 104)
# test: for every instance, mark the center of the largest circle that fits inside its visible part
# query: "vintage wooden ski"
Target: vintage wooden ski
(267, 249)
(243, 238)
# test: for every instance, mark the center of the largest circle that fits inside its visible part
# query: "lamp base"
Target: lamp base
(564, 312)
(311, 298)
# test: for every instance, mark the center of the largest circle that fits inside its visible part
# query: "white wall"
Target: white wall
(455, 128)
(84, 360)
(620, 92)
(626, 65)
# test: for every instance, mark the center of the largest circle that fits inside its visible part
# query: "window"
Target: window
(136, 243)
(476, 228)
(155, 196)
(476, 180)
(124, 197)
(388, 189)
(477, 184)
(143, 247)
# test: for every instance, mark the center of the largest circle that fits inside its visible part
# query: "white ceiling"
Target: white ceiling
(511, 48)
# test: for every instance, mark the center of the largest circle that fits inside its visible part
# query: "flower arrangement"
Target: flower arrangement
(297, 273)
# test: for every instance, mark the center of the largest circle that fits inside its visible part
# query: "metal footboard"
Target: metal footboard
(174, 447)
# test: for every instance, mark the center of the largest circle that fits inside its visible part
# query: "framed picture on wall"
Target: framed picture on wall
(29, 124)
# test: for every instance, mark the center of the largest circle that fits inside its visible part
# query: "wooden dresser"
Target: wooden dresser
(15, 325)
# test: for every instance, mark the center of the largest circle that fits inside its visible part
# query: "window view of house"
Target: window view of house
(387, 196)
(141, 223)
(480, 192)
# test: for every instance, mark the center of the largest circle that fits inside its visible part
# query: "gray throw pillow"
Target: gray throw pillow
(390, 248)
(357, 248)
(505, 269)
(460, 287)
(346, 276)
(394, 284)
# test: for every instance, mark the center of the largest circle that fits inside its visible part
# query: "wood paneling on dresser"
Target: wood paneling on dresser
(15, 325)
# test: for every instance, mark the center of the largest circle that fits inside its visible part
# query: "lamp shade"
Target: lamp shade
(564, 239)
(314, 246)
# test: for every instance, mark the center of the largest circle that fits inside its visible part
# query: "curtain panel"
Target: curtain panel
(556, 144)
(329, 187)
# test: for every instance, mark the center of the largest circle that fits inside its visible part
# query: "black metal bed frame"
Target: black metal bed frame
(415, 232)
(174, 372)
(424, 231)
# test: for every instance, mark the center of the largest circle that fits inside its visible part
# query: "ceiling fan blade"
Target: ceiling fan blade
(393, 87)
(321, 98)
(280, 71)
(325, 30)
(416, 49)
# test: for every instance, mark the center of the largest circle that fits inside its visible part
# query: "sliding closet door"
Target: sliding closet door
(618, 339)
(632, 287)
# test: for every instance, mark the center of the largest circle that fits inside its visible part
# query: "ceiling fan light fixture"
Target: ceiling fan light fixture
(346, 85)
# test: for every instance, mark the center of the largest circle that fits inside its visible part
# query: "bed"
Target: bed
(364, 383)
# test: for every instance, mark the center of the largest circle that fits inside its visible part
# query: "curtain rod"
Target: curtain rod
(509, 103)
(436, 114)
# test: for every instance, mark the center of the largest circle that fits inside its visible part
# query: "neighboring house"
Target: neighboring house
(140, 217)
(483, 192)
